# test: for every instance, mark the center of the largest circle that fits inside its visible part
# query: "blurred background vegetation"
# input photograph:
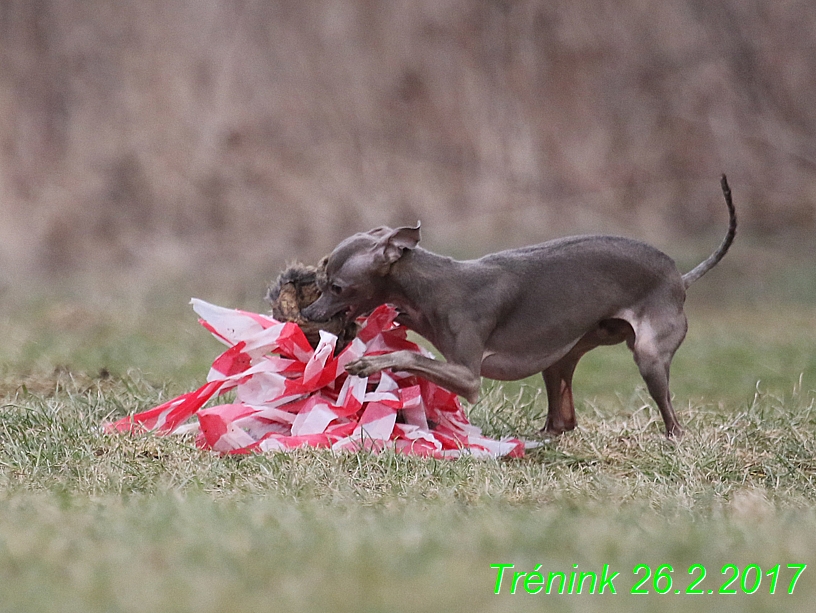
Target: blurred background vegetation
(199, 145)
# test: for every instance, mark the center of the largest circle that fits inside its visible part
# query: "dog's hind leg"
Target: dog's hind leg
(656, 341)
(558, 377)
(560, 403)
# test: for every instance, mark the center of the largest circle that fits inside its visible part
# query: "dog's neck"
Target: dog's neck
(415, 285)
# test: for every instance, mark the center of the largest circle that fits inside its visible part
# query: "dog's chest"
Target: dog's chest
(414, 320)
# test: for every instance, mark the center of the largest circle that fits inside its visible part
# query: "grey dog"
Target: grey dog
(518, 312)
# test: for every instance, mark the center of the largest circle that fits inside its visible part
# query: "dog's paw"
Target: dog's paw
(363, 367)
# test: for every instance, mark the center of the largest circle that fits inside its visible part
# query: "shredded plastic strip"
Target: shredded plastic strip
(288, 395)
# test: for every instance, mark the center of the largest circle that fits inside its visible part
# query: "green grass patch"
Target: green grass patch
(91, 521)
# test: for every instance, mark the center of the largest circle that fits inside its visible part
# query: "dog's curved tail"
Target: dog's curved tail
(712, 260)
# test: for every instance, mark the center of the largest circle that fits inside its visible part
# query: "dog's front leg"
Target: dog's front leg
(456, 378)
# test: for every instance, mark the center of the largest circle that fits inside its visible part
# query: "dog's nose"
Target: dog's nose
(308, 312)
(314, 312)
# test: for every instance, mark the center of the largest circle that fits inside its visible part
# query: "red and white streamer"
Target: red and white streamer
(288, 395)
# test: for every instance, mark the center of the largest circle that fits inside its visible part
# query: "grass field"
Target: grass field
(98, 522)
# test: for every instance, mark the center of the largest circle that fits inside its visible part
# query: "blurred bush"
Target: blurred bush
(167, 136)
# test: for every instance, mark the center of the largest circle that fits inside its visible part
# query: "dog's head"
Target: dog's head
(353, 277)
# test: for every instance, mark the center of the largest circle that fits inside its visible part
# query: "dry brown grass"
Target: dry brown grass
(157, 138)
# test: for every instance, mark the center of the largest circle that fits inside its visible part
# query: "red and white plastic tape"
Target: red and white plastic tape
(288, 395)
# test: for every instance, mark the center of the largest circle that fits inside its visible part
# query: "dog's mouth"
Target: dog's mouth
(348, 314)
(351, 313)
(344, 313)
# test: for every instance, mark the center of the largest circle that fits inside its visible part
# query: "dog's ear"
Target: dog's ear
(380, 231)
(392, 245)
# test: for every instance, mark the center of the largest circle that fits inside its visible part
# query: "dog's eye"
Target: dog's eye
(335, 289)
